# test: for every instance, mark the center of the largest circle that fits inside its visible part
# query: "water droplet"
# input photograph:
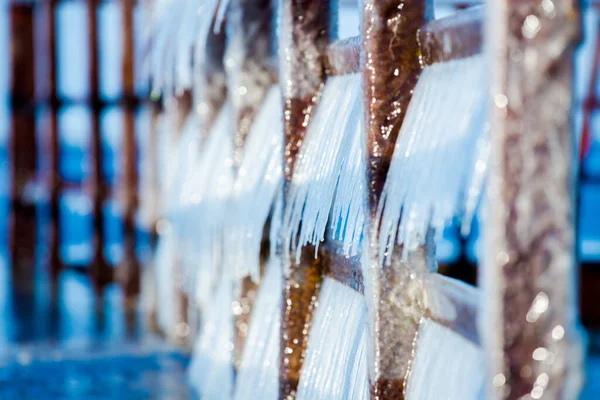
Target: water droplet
(501, 101)
(499, 380)
(540, 354)
(558, 332)
(531, 26)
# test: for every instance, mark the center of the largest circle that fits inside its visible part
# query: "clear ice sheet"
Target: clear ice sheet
(207, 194)
(335, 366)
(254, 191)
(446, 366)
(445, 130)
(211, 368)
(329, 171)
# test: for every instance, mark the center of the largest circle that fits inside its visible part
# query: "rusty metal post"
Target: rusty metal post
(529, 272)
(23, 136)
(55, 178)
(391, 68)
(100, 271)
(129, 270)
(306, 30)
(50, 147)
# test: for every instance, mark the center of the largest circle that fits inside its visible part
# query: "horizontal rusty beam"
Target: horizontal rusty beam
(453, 37)
(345, 270)
(447, 293)
(462, 299)
(343, 57)
(456, 36)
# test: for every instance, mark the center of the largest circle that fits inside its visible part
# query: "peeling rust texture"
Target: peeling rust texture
(456, 36)
(305, 36)
(242, 308)
(530, 256)
(300, 295)
(391, 67)
(343, 57)
(399, 309)
(23, 165)
(183, 106)
(346, 270)
(249, 48)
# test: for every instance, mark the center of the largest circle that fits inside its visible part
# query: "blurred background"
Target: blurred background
(76, 116)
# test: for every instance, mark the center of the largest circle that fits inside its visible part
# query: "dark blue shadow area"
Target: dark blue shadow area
(128, 372)
(589, 222)
(113, 224)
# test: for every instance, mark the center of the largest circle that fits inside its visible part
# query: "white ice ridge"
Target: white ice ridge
(179, 34)
(207, 194)
(335, 366)
(258, 376)
(211, 368)
(446, 366)
(257, 183)
(329, 170)
(440, 159)
(188, 157)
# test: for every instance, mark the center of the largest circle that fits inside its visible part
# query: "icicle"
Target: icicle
(183, 205)
(336, 341)
(202, 60)
(179, 36)
(168, 146)
(348, 214)
(446, 366)
(211, 368)
(258, 180)
(188, 147)
(331, 137)
(258, 376)
(435, 165)
(191, 17)
(220, 16)
(208, 191)
(159, 35)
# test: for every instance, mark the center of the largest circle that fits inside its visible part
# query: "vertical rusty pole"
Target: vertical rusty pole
(48, 91)
(130, 269)
(23, 135)
(249, 73)
(100, 271)
(180, 332)
(149, 199)
(391, 68)
(55, 179)
(529, 272)
(306, 28)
